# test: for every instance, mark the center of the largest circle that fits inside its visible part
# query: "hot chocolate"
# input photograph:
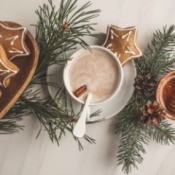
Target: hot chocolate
(97, 70)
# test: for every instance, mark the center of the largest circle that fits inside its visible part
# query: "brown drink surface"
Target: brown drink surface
(97, 70)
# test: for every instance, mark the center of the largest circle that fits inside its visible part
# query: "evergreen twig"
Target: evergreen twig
(57, 31)
(157, 60)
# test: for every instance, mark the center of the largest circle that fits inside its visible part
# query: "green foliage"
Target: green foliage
(158, 59)
(61, 30)
(159, 56)
(57, 32)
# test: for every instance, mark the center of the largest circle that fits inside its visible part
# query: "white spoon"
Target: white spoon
(80, 127)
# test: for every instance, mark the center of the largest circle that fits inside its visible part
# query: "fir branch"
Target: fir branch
(158, 57)
(10, 125)
(157, 60)
(57, 31)
(133, 138)
(131, 147)
(10, 122)
(163, 133)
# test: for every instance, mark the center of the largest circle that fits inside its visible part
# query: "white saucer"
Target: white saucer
(108, 109)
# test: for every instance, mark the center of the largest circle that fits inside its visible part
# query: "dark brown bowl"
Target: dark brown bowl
(27, 66)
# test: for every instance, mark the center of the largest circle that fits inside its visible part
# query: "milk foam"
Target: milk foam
(98, 71)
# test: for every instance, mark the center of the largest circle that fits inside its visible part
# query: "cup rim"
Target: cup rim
(120, 69)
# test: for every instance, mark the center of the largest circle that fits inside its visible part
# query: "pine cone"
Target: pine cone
(152, 112)
(145, 84)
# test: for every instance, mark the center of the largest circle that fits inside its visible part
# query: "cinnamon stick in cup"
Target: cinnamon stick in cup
(80, 91)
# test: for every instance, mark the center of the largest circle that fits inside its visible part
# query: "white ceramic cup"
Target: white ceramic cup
(74, 56)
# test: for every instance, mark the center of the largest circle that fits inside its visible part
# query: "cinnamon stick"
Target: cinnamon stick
(80, 91)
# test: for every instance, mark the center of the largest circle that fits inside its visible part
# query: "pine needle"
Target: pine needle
(57, 31)
(158, 59)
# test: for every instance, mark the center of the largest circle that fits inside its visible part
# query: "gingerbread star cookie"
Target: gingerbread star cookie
(122, 42)
(7, 69)
(13, 41)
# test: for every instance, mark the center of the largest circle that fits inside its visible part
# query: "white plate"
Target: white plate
(108, 109)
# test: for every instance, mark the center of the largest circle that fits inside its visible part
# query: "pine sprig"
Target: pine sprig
(9, 125)
(157, 60)
(162, 133)
(58, 31)
(159, 56)
(131, 148)
(133, 138)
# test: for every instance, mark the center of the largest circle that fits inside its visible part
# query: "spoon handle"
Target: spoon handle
(80, 127)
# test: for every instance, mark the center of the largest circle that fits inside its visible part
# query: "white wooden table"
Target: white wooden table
(23, 154)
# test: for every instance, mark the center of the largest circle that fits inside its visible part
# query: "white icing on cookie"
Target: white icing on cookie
(109, 45)
(127, 36)
(130, 51)
(113, 34)
(14, 38)
(14, 50)
(7, 70)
